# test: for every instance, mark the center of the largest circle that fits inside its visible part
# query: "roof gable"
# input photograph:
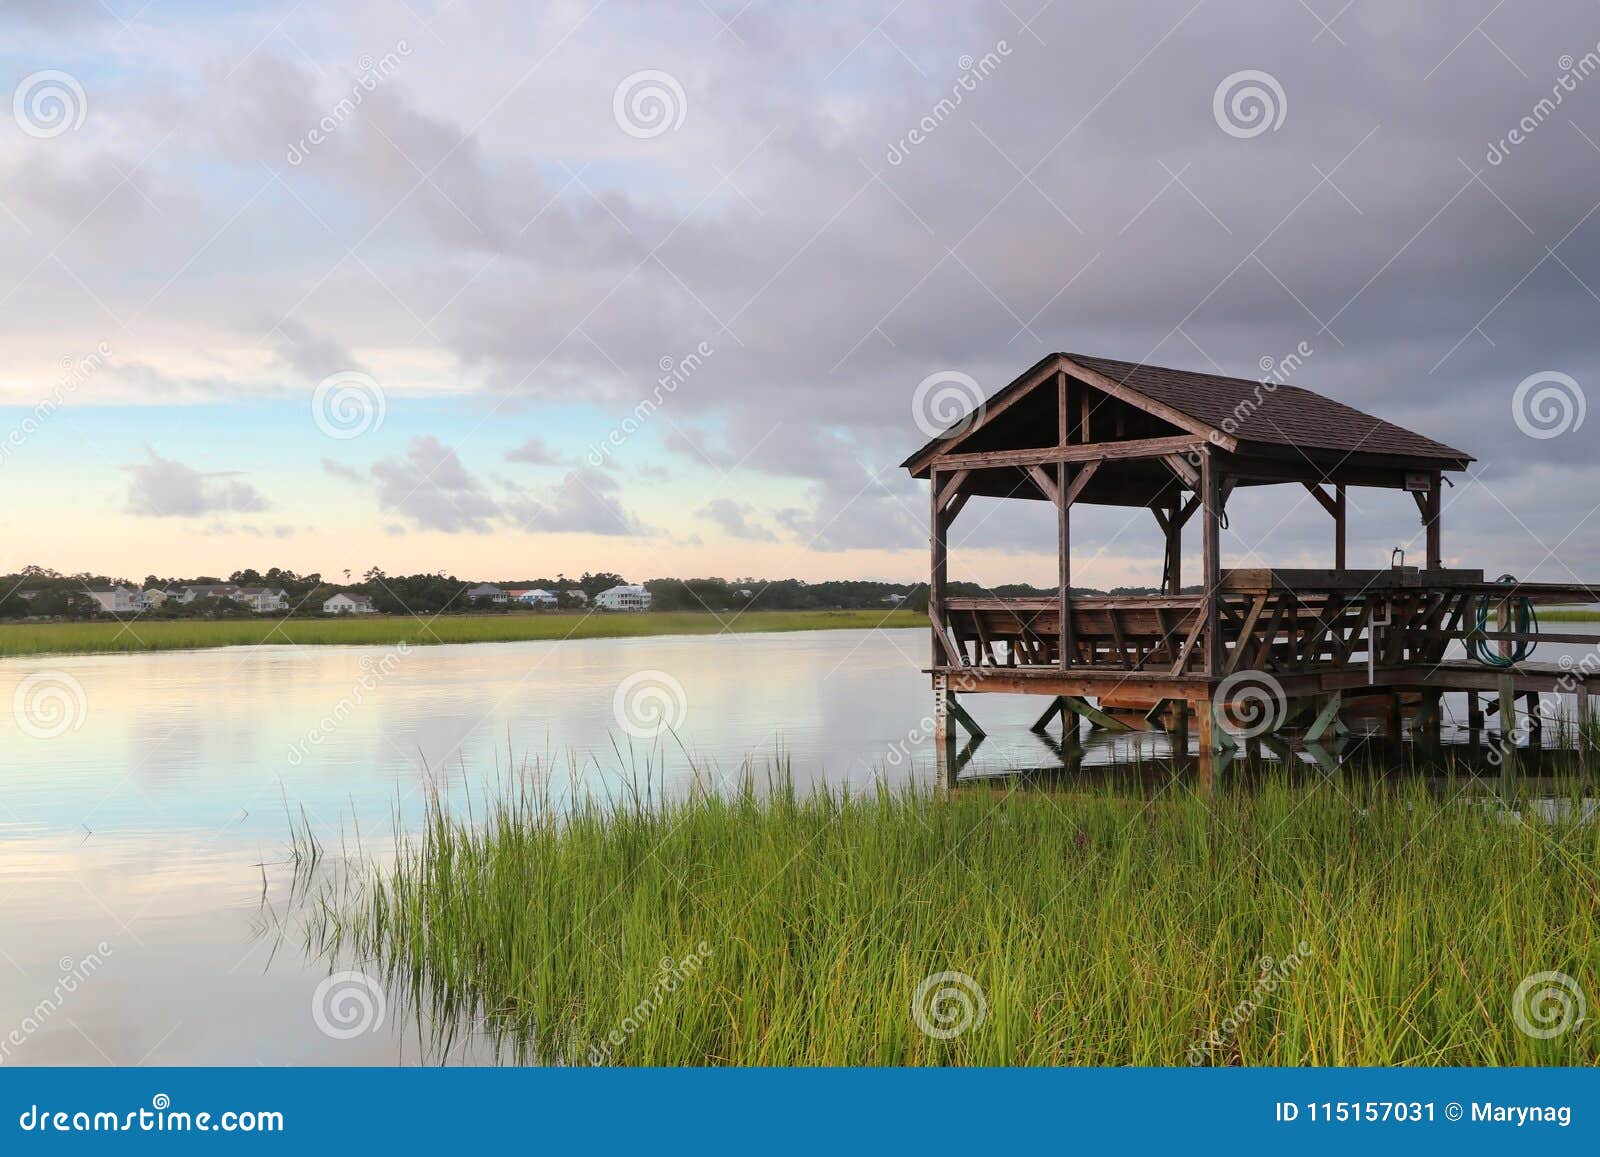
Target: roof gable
(1227, 411)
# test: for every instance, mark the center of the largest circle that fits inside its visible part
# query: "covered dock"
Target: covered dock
(1291, 645)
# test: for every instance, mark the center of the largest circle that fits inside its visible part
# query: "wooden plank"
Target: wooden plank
(1339, 523)
(1211, 558)
(1140, 401)
(1322, 496)
(1078, 452)
(953, 487)
(1242, 640)
(1082, 707)
(1186, 473)
(959, 714)
(1080, 479)
(1048, 485)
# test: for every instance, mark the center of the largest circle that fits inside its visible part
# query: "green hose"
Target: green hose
(1526, 622)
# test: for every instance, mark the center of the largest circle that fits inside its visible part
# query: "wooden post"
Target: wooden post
(1174, 566)
(1430, 519)
(937, 574)
(1474, 712)
(1210, 557)
(1580, 699)
(1205, 722)
(1508, 727)
(1064, 637)
(1338, 527)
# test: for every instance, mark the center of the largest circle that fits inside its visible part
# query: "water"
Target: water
(144, 883)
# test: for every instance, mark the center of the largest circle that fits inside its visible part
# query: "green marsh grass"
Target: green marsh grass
(388, 630)
(1104, 927)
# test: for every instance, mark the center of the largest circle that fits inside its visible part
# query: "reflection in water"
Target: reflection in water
(160, 826)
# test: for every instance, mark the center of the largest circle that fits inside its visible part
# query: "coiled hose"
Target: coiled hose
(1525, 621)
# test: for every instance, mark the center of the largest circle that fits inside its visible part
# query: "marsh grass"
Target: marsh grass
(1102, 928)
(388, 630)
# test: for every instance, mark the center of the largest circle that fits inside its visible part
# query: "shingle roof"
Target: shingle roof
(1250, 411)
(1285, 415)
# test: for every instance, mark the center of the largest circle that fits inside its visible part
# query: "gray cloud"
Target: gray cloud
(430, 486)
(536, 452)
(161, 488)
(734, 519)
(585, 501)
(1098, 208)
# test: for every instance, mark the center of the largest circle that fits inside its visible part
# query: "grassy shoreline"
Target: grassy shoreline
(388, 630)
(1358, 924)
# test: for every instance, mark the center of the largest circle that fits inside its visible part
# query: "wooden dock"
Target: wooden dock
(1287, 646)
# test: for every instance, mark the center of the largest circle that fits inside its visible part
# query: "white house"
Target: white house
(581, 597)
(893, 599)
(485, 593)
(262, 600)
(118, 600)
(154, 597)
(208, 591)
(537, 598)
(627, 597)
(348, 604)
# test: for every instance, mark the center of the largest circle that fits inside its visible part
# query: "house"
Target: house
(627, 597)
(485, 593)
(580, 597)
(208, 591)
(893, 598)
(348, 604)
(262, 600)
(154, 597)
(118, 600)
(536, 598)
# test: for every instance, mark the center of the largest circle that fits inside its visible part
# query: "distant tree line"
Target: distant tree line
(37, 592)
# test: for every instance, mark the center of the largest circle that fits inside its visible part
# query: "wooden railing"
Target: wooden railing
(1279, 621)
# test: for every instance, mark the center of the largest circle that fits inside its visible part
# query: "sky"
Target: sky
(513, 289)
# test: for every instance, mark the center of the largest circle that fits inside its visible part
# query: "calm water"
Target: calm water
(143, 875)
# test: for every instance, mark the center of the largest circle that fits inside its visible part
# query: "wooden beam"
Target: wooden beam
(953, 487)
(1080, 479)
(1323, 497)
(1339, 523)
(1211, 558)
(1185, 472)
(1430, 517)
(1093, 714)
(1065, 641)
(1049, 486)
(1140, 401)
(1077, 452)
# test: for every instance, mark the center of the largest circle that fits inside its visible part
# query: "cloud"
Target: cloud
(341, 471)
(535, 452)
(430, 486)
(163, 488)
(732, 517)
(310, 354)
(584, 502)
